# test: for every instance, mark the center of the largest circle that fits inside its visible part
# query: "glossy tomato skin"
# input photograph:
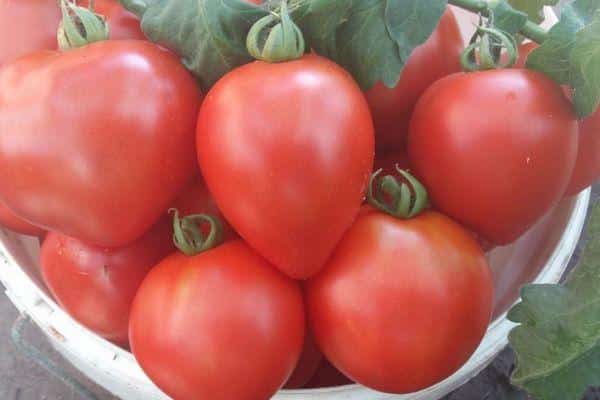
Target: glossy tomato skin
(96, 285)
(392, 108)
(222, 325)
(32, 25)
(495, 149)
(10, 220)
(286, 150)
(97, 164)
(401, 305)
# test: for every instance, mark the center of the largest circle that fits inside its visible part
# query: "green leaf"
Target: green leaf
(508, 18)
(372, 39)
(558, 341)
(571, 52)
(585, 59)
(209, 35)
(533, 8)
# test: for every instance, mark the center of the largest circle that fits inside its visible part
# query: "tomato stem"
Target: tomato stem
(403, 200)
(189, 238)
(80, 26)
(531, 30)
(275, 37)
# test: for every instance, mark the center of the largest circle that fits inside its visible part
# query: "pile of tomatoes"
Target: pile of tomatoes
(279, 273)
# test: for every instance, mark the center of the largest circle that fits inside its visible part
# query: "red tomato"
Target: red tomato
(587, 166)
(95, 285)
(221, 325)
(10, 220)
(402, 304)
(287, 150)
(307, 366)
(495, 149)
(32, 25)
(89, 161)
(327, 376)
(436, 58)
(195, 199)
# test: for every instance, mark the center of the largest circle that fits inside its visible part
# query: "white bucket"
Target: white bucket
(541, 256)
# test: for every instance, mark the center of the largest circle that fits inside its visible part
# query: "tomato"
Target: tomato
(587, 167)
(402, 304)
(195, 199)
(32, 25)
(307, 366)
(10, 220)
(327, 376)
(494, 149)
(392, 108)
(290, 180)
(98, 165)
(95, 285)
(223, 325)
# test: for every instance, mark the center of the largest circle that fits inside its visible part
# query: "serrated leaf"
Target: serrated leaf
(566, 55)
(558, 341)
(533, 8)
(209, 35)
(371, 38)
(585, 59)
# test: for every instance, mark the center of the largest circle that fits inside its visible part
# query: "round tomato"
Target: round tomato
(221, 325)
(402, 304)
(88, 161)
(10, 220)
(392, 108)
(287, 150)
(33, 25)
(495, 149)
(307, 366)
(95, 285)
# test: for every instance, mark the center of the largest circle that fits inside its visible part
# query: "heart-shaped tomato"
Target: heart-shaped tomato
(286, 150)
(97, 142)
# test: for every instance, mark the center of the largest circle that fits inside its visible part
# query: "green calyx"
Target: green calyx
(80, 26)
(403, 199)
(485, 50)
(189, 238)
(275, 37)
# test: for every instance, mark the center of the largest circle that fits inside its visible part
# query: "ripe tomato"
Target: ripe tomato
(92, 163)
(495, 149)
(388, 162)
(392, 108)
(10, 220)
(32, 25)
(221, 325)
(587, 166)
(95, 285)
(402, 304)
(307, 366)
(289, 179)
